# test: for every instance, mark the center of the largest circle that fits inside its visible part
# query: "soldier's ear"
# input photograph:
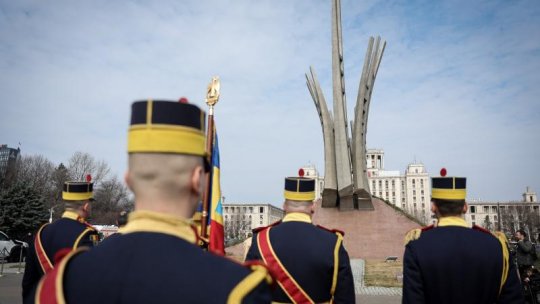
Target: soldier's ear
(433, 208)
(197, 180)
(465, 208)
(127, 180)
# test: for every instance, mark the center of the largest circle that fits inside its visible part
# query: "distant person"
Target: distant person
(71, 231)
(524, 251)
(309, 262)
(450, 263)
(155, 259)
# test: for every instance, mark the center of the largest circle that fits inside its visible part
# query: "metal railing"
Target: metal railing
(5, 254)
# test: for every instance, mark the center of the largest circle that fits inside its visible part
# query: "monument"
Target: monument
(345, 180)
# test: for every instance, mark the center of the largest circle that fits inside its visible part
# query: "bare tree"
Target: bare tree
(111, 197)
(81, 163)
(36, 171)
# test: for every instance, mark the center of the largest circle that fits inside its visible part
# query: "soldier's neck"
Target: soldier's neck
(181, 209)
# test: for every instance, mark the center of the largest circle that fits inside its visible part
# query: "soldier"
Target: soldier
(309, 262)
(451, 262)
(155, 258)
(70, 231)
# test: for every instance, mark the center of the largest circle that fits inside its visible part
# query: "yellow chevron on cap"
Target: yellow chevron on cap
(167, 139)
(300, 196)
(450, 194)
(76, 196)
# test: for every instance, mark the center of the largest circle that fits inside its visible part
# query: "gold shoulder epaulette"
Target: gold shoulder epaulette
(259, 274)
(501, 236)
(412, 235)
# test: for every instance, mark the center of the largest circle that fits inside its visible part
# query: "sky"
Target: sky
(458, 86)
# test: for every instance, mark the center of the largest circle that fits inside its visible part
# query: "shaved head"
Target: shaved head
(165, 178)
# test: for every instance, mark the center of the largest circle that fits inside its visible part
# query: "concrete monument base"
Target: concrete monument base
(346, 199)
(329, 198)
(363, 200)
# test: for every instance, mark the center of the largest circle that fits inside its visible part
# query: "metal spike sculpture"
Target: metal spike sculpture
(345, 177)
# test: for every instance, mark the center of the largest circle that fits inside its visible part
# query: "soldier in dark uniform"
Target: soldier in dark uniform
(451, 262)
(155, 259)
(309, 262)
(69, 232)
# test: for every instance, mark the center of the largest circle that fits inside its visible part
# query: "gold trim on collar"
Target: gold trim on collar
(297, 217)
(452, 221)
(149, 221)
(72, 216)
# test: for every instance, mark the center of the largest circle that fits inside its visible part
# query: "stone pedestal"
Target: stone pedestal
(373, 235)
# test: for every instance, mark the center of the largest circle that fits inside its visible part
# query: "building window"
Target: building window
(393, 194)
(423, 205)
(250, 209)
(422, 192)
(472, 217)
(261, 209)
(486, 209)
(423, 199)
(403, 200)
(380, 193)
(403, 206)
(473, 209)
(474, 223)
(414, 192)
(495, 217)
(494, 209)
(414, 198)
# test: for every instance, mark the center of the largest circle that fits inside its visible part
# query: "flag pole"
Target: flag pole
(212, 97)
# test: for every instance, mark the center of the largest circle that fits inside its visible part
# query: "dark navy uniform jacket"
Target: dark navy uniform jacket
(452, 263)
(154, 259)
(308, 254)
(70, 231)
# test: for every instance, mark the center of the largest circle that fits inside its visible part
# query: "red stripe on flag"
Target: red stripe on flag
(217, 235)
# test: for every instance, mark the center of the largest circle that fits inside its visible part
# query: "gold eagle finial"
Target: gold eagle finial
(212, 94)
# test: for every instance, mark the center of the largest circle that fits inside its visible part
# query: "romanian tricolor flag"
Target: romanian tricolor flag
(217, 234)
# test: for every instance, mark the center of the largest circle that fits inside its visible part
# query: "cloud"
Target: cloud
(457, 85)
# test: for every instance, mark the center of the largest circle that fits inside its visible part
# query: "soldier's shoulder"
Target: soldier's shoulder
(333, 231)
(481, 229)
(251, 278)
(416, 233)
(89, 226)
(259, 229)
